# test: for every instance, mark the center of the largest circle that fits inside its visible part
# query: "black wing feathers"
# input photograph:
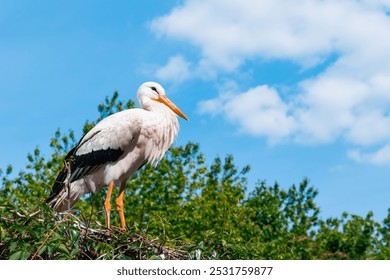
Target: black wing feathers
(85, 164)
(82, 165)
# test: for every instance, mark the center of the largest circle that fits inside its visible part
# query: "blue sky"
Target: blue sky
(293, 91)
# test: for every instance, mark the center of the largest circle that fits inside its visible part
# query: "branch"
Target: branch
(67, 166)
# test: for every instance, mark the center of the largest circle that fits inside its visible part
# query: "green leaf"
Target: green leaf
(2, 233)
(62, 248)
(42, 250)
(25, 255)
(16, 255)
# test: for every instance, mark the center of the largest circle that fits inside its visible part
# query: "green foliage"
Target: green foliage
(182, 208)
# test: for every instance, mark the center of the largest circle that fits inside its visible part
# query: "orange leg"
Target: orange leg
(120, 205)
(107, 204)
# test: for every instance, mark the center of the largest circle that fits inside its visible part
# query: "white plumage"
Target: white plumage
(116, 148)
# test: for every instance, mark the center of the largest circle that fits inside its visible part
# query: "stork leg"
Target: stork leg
(107, 204)
(120, 205)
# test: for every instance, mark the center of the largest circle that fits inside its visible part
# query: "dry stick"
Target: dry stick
(88, 221)
(67, 166)
(35, 213)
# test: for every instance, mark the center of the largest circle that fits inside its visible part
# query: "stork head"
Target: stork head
(151, 93)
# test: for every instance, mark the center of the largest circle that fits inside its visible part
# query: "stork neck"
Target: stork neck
(166, 128)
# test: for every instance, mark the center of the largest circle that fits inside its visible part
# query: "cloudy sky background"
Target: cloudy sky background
(293, 90)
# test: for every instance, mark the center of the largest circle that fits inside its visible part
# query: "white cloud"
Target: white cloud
(349, 100)
(229, 31)
(177, 70)
(380, 157)
(258, 111)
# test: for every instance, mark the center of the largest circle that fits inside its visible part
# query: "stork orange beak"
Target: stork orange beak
(165, 100)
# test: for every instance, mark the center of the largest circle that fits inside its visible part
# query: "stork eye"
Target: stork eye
(154, 89)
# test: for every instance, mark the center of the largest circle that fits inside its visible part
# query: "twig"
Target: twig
(20, 215)
(35, 213)
(67, 180)
(87, 222)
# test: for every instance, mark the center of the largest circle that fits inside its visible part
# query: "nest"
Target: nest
(136, 246)
(116, 243)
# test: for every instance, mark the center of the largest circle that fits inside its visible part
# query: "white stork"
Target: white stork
(116, 148)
